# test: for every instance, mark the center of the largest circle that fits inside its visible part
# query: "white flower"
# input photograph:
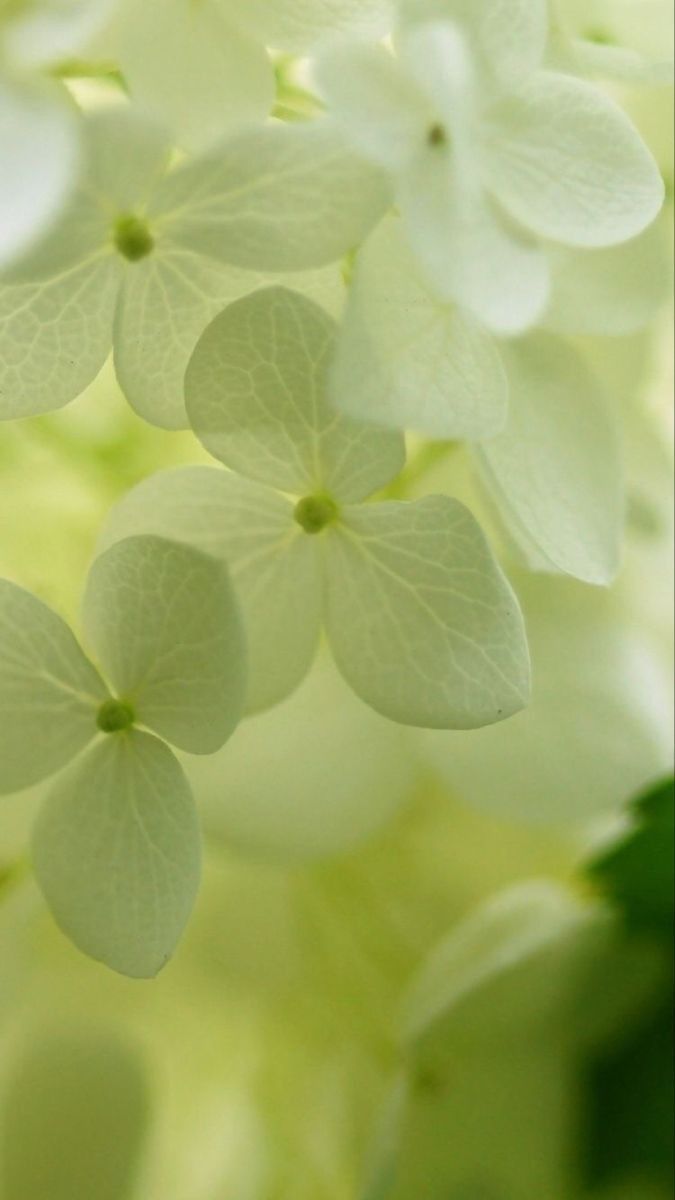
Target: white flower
(144, 257)
(482, 173)
(422, 623)
(116, 847)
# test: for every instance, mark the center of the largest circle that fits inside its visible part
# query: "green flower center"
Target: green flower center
(437, 135)
(314, 513)
(132, 237)
(114, 716)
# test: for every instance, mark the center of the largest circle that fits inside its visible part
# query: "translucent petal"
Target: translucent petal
(166, 302)
(384, 113)
(619, 64)
(128, 154)
(467, 249)
(568, 164)
(596, 731)
(422, 623)
(40, 156)
(201, 73)
(51, 31)
(49, 691)
(80, 1095)
(274, 198)
(508, 35)
(273, 564)
(284, 790)
(610, 292)
(165, 625)
(406, 358)
(117, 853)
(295, 25)
(255, 392)
(556, 472)
(499, 959)
(55, 335)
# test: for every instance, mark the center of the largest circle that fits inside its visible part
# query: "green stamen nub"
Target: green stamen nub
(132, 237)
(437, 135)
(314, 513)
(114, 716)
(600, 37)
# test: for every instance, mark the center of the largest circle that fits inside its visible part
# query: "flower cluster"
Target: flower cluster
(345, 244)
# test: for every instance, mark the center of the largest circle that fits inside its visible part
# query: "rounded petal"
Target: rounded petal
(39, 150)
(610, 292)
(49, 691)
(190, 65)
(117, 853)
(284, 790)
(556, 471)
(46, 33)
(295, 25)
(596, 731)
(55, 335)
(274, 566)
(469, 251)
(408, 359)
(164, 623)
(508, 36)
(384, 113)
(422, 623)
(275, 197)
(255, 392)
(568, 164)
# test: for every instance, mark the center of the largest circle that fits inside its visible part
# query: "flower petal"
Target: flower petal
(117, 853)
(569, 165)
(165, 625)
(421, 621)
(556, 471)
(49, 691)
(255, 391)
(412, 361)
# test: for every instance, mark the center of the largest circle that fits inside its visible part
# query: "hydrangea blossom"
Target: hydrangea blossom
(421, 621)
(116, 846)
(144, 257)
(484, 174)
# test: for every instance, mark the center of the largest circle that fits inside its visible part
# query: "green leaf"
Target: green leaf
(273, 565)
(276, 197)
(255, 391)
(568, 164)
(164, 623)
(116, 851)
(556, 472)
(422, 622)
(629, 1107)
(49, 691)
(639, 872)
(75, 1119)
(407, 359)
